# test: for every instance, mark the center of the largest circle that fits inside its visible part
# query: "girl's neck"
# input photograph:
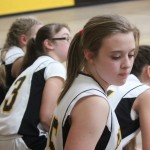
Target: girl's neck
(102, 82)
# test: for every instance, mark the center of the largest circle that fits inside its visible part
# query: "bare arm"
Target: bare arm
(52, 89)
(88, 122)
(16, 68)
(144, 111)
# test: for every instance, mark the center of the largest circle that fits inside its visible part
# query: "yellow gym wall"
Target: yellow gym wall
(8, 7)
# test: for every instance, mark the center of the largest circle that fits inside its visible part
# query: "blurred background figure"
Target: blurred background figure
(21, 30)
(26, 112)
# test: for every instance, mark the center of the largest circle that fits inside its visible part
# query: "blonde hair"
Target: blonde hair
(20, 26)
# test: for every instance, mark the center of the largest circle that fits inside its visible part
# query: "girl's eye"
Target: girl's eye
(131, 55)
(115, 57)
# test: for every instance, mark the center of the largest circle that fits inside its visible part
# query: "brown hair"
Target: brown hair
(35, 46)
(91, 38)
(141, 60)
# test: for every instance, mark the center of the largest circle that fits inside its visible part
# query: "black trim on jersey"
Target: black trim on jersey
(123, 110)
(30, 120)
(3, 92)
(101, 144)
(66, 129)
(34, 143)
(104, 139)
(77, 96)
(105, 135)
(9, 78)
(93, 79)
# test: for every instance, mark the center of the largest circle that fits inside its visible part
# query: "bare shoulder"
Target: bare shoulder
(144, 97)
(142, 101)
(92, 107)
(88, 117)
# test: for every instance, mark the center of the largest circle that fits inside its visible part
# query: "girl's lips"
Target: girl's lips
(125, 75)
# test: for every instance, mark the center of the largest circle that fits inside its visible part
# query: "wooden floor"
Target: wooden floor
(137, 11)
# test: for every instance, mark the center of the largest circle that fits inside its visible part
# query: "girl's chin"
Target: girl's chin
(120, 83)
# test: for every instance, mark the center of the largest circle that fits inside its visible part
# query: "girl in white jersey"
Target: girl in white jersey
(27, 109)
(21, 30)
(131, 101)
(83, 119)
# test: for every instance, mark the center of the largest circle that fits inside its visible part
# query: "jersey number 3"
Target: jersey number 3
(9, 102)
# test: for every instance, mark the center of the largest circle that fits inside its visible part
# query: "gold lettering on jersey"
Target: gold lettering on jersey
(53, 132)
(119, 138)
(110, 92)
(9, 102)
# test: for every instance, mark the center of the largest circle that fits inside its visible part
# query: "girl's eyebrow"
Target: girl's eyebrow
(120, 51)
(65, 34)
(116, 51)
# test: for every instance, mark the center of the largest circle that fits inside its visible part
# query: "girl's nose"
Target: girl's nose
(127, 63)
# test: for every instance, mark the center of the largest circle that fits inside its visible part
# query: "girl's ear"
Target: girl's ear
(23, 39)
(48, 44)
(89, 55)
(148, 71)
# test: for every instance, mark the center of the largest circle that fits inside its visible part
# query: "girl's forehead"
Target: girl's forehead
(63, 31)
(119, 39)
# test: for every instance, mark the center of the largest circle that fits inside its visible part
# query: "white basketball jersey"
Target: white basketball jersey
(13, 54)
(19, 112)
(121, 99)
(82, 86)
